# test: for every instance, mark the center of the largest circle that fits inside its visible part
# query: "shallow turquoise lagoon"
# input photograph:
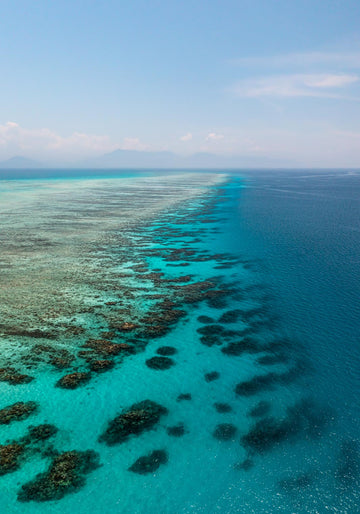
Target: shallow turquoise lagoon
(251, 278)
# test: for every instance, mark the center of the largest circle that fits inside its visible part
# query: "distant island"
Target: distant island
(125, 159)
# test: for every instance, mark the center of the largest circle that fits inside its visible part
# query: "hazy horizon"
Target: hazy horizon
(271, 81)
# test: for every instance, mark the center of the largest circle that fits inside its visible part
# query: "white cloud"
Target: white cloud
(133, 143)
(296, 85)
(187, 137)
(213, 136)
(329, 80)
(16, 140)
(305, 59)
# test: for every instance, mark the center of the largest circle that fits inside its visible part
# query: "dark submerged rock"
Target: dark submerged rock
(225, 432)
(73, 380)
(272, 359)
(267, 382)
(139, 418)
(211, 376)
(245, 465)
(217, 302)
(17, 412)
(210, 340)
(65, 475)
(305, 418)
(149, 463)
(205, 319)
(246, 345)
(230, 316)
(183, 396)
(290, 485)
(166, 350)
(176, 430)
(211, 330)
(160, 363)
(266, 434)
(348, 465)
(261, 409)
(222, 408)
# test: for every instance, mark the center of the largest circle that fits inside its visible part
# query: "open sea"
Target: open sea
(181, 342)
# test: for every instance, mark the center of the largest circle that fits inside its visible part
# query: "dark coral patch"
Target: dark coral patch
(36, 333)
(65, 475)
(166, 350)
(205, 319)
(101, 365)
(10, 455)
(266, 434)
(256, 384)
(176, 430)
(217, 302)
(304, 418)
(348, 465)
(230, 316)
(245, 465)
(222, 408)
(41, 432)
(160, 363)
(61, 362)
(271, 359)
(261, 409)
(127, 326)
(105, 348)
(225, 432)
(290, 485)
(211, 330)
(149, 463)
(267, 382)
(210, 340)
(73, 380)
(246, 345)
(17, 412)
(211, 376)
(139, 418)
(13, 377)
(183, 396)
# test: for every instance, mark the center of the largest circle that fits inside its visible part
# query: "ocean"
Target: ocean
(181, 342)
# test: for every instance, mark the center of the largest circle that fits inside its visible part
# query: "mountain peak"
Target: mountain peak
(18, 162)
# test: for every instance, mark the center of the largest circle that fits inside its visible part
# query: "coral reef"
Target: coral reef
(225, 432)
(160, 363)
(149, 463)
(135, 420)
(65, 475)
(73, 380)
(17, 412)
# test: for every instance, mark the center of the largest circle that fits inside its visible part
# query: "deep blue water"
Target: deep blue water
(294, 237)
(305, 226)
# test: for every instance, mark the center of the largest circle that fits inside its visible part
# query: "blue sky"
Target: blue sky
(272, 79)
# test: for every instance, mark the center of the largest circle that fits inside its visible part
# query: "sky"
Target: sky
(271, 79)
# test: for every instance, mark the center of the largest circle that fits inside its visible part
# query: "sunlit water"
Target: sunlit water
(282, 251)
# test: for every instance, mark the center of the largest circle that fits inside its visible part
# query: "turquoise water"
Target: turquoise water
(280, 251)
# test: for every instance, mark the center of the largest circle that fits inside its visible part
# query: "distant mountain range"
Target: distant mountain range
(140, 159)
(20, 163)
(143, 159)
